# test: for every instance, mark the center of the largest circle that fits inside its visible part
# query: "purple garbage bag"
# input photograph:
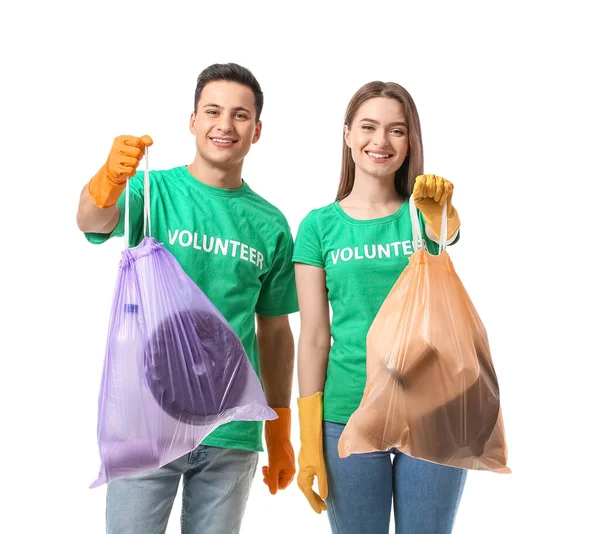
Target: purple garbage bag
(174, 369)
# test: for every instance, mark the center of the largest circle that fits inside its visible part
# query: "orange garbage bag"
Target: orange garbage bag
(431, 391)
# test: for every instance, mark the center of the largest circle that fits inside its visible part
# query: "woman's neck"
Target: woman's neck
(372, 197)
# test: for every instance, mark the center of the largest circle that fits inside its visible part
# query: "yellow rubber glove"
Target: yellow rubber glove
(311, 462)
(430, 194)
(282, 463)
(107, 185)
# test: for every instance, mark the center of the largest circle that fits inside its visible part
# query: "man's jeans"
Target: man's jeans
(216, 484)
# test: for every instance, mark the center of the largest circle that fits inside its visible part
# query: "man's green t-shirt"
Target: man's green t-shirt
(362, 260)
(235, 245)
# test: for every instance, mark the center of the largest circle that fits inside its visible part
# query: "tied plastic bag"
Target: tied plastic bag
(174, 369)
(431, 391)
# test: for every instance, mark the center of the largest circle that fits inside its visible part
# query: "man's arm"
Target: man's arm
(91, 218)
(276, 354)
(98, 212)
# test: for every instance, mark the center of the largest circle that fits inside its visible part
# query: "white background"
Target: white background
(509, 103)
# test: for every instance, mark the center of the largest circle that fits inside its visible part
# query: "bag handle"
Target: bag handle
(147, 225)
(416, 227)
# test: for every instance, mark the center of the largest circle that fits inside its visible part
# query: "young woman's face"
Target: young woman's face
(378, 137)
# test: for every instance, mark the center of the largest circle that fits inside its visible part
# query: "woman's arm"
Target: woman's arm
(315, 331)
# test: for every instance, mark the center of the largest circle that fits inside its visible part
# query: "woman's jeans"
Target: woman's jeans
(362, 488)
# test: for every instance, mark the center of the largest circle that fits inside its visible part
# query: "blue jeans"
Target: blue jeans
(362, 488)
(216, 484)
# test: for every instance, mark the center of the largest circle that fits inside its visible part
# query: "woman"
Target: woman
(348, 255)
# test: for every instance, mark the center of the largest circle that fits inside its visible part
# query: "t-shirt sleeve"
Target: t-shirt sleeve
(278, 291)
(136, 214)
(307, 248)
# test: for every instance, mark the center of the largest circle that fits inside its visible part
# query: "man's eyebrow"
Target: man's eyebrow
(237, 108)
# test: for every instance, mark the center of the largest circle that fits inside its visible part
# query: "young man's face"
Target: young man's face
(225, 123)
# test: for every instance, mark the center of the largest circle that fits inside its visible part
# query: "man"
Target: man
(238, 249)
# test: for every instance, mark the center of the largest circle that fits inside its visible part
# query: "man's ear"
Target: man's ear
(257, 132)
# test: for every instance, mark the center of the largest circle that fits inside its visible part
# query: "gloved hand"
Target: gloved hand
(311, 461)
(430, 193)
(106, 186)
(282, 463)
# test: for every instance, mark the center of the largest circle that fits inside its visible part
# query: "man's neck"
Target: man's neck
(203, 171)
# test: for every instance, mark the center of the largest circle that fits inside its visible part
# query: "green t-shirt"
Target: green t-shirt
(362, 260)
(235, 245)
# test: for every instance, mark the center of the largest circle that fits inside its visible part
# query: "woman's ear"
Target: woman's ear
(347, 135)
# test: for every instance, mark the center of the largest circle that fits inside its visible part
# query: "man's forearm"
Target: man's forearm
(91, 218)
(276, 353)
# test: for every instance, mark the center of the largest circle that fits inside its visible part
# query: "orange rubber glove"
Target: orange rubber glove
(430, 194)
(311, 461)
(107, 185)
(282, 464)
